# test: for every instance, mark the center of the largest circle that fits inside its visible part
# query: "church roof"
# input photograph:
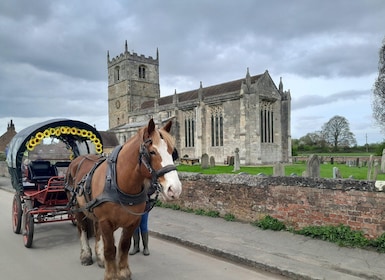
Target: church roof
(191, 95)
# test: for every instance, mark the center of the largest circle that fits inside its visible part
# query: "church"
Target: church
(250, 115)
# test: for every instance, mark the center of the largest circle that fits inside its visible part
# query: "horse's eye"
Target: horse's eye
(153, 153)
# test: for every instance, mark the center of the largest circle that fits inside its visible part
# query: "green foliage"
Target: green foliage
(229, 217)
(168, 205)
(342, 235)
(200, 212)
(187, 210)
(271, 223)
(379, 243)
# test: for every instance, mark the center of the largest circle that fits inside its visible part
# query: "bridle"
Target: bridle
(145, 158)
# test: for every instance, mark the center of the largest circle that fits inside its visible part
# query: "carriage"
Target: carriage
(40, 195)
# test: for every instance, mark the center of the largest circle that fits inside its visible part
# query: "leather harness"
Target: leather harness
(111, 191)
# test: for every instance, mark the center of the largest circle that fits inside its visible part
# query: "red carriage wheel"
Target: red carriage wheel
(29, 225)
(16, 214)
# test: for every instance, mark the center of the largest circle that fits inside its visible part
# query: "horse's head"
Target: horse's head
(158, 154)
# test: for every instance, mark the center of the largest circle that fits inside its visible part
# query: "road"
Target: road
(55, 255)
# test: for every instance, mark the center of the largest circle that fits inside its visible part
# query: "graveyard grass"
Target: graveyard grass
(326, 170)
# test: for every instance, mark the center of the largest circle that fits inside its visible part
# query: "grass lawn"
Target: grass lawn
(359, 173)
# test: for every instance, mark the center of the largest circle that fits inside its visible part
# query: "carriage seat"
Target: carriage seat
(40, 171)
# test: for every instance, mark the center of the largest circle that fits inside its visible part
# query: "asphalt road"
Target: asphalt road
(55, 255)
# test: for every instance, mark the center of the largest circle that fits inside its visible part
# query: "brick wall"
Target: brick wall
(297, 201)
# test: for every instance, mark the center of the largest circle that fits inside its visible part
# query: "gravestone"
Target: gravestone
(279, 169)
(212, 161)
(236, 161)
(205, 161)
(336, 173)
(376, 170)
(230, 160)
(313, 167)
(370, 167)
(383, 161)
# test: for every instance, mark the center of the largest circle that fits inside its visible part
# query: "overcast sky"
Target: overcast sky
(53, 54)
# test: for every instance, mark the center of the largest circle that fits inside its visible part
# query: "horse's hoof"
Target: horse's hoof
(86, 262)
(100, 263)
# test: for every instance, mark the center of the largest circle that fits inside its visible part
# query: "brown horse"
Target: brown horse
(113, 192)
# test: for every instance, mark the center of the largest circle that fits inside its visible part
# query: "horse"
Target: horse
(112, 193)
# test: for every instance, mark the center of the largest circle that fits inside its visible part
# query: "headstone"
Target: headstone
(212, 161)
(383, 161)
(336, 173)
(313, 166)
(205, 161)
(279, 169)
(370, 166)
(376, 170)
(230, 160)
(236, 160)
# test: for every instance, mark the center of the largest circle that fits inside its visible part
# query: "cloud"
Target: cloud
(54, 53)
(312, 100)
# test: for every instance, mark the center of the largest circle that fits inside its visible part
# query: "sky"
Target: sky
(53, 54)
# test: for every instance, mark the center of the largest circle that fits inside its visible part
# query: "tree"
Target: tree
(336, 133)
(378, 101)
(313, 139)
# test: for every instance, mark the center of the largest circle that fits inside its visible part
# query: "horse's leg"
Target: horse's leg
(107, 233)
(124, 272)
(99, 247)
(85, 249)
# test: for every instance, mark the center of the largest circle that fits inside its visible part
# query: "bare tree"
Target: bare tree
(378, 101)
(336, 133)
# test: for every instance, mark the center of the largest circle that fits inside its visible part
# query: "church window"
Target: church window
(189, 128)
(117, 73)
(142, 72)
(216, 126)
(267, 122)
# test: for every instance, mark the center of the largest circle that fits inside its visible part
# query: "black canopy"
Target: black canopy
(80, 137)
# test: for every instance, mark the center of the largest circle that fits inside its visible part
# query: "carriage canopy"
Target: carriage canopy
(79, 137)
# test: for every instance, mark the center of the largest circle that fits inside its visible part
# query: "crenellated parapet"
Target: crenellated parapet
(126, 55)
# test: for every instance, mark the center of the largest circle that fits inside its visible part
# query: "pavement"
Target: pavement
(283, 253)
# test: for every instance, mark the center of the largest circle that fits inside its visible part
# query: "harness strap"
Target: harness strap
(111, 191)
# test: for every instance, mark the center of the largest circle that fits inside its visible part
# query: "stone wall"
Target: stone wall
(297, 201)
(338, 159)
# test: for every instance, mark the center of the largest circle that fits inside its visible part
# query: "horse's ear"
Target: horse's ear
(150, 127)
(167, 127)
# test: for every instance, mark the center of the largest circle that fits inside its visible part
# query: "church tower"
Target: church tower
(132, 80)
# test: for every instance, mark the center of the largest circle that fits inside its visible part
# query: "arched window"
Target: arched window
(189, 128)
(216, 126)
(267, 122)
(117, 73)
(142, 72)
